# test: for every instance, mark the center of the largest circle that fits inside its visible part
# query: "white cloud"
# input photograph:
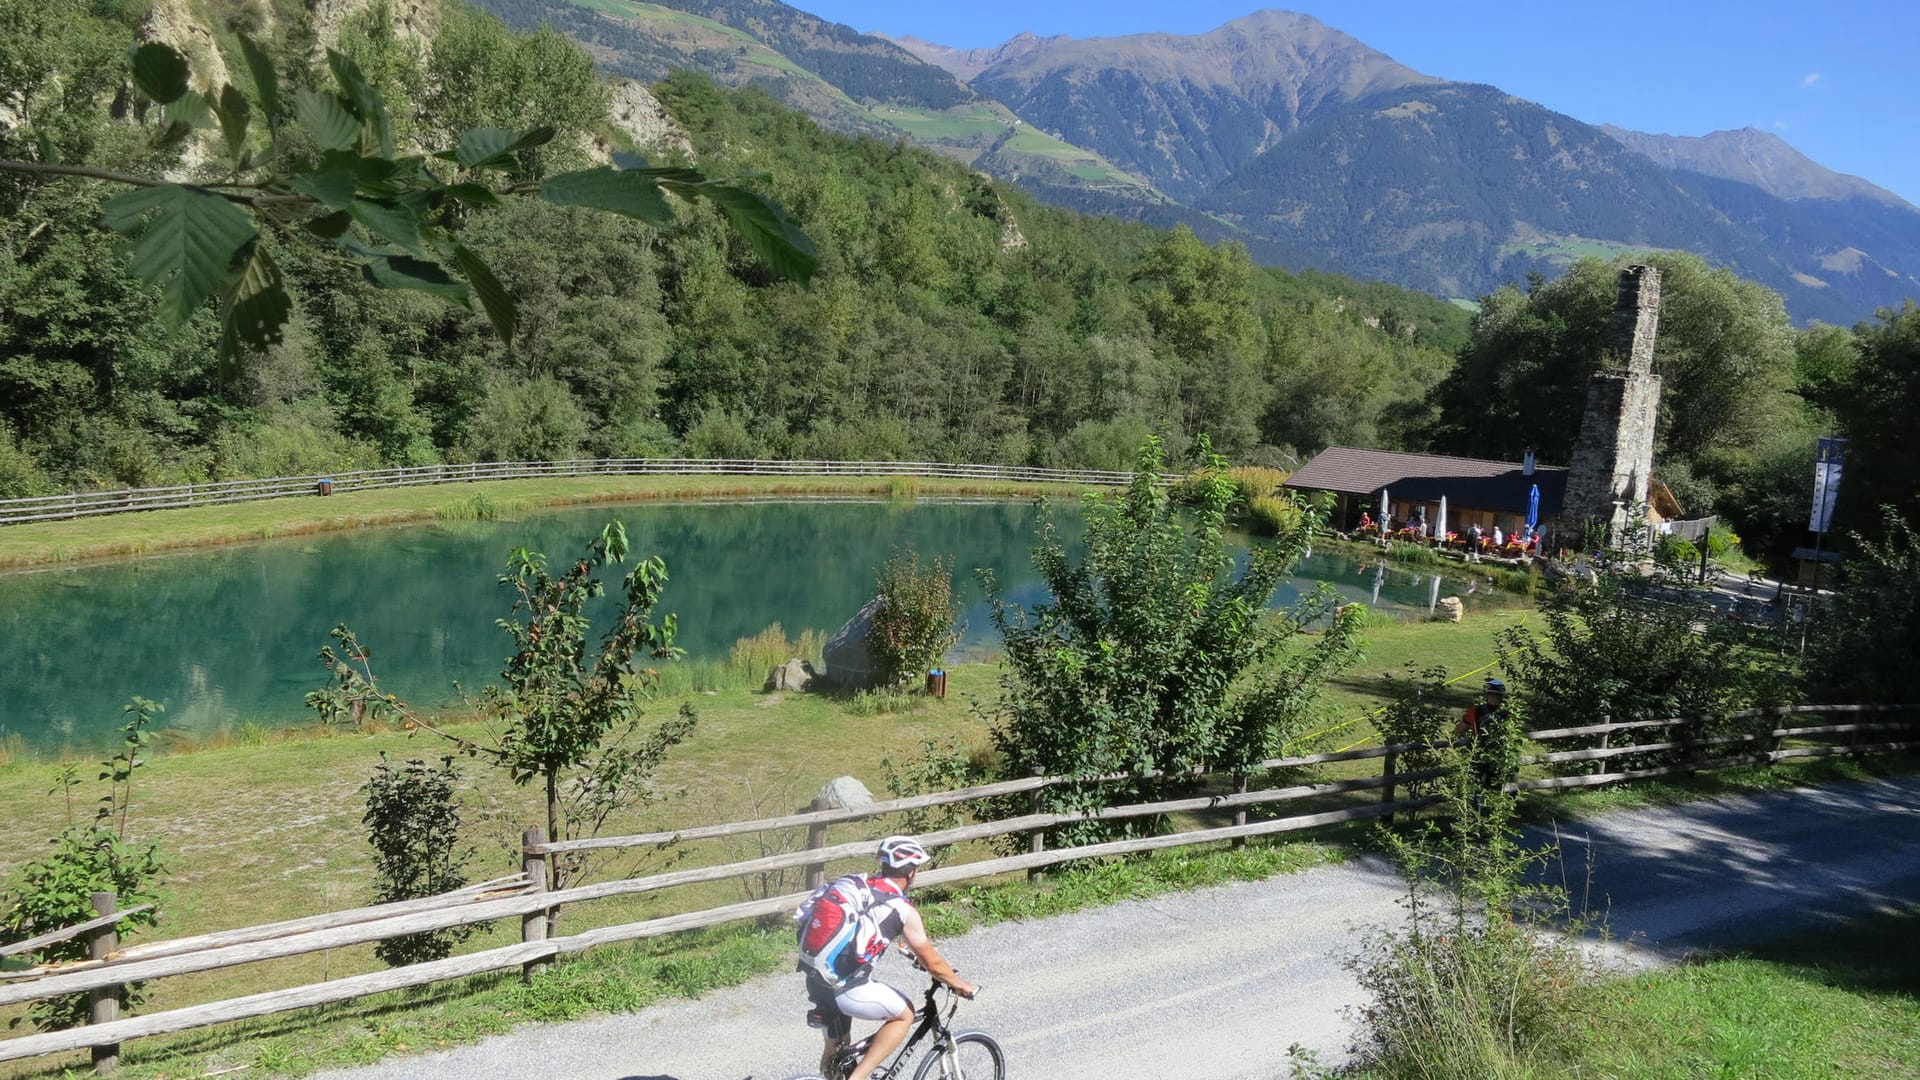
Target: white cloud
(1810, 80)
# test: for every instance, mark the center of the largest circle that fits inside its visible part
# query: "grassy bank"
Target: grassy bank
(148, 532)
(1839, 1004)
(1408, 556)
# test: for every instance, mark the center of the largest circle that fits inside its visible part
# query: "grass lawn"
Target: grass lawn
(1839, 1004)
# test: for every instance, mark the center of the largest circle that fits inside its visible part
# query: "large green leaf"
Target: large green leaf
(183, 238)
(493, 148)
(234, 113)
(493, 296)
(256, 311)
(332, 187)
(767, 230)
(392, 222)
(160, 72)
(327, 119)
(377, 129)
(474, 194)
(332, 226)
(401, 272)
(266, 82)
(186, 113)
(630, 194)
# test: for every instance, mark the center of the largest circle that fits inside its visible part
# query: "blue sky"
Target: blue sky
(1836, 79)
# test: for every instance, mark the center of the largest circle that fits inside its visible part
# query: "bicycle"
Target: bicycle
(955, 1055)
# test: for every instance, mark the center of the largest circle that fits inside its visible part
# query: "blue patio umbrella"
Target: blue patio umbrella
(1533, 508)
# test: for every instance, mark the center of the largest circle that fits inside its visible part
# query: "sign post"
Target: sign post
(1826, 489)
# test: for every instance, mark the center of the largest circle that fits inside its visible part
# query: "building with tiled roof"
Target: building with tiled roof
(1478, 492)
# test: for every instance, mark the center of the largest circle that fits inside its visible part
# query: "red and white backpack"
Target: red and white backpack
(841, 931)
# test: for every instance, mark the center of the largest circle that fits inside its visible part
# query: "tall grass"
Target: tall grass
(1401, 551)
(479, 507)
(1474, 985)
(1256, 481)
(747, 663)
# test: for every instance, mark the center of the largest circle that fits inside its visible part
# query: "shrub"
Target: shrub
(914, 626)
(1865, 641)
(287, 443)
(413, 823)
(1477, 982)
(942, 765)
(1628, 649)
(56, 891)
(866, 439)
(532, 420)
(1101, 444)
(20, 475)
(721, 435)
(1156, 652)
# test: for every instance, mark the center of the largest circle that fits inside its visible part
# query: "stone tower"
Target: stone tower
(1613, 461)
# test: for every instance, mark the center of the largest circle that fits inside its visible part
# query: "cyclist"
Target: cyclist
(865, 998)
(1490, 710)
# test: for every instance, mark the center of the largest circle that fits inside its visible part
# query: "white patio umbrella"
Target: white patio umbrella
(1383, 510)
(1440, 524)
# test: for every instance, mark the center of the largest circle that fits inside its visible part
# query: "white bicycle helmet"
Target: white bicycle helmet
(902, 853)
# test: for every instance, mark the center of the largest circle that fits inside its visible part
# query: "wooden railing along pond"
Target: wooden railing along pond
(180, 496)
(1675, 746)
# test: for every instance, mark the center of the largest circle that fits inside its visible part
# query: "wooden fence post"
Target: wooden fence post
(533, 925)
(1037, 842)
(1386, 773)
(1240, 814)
(817, 839)
(105, 1001)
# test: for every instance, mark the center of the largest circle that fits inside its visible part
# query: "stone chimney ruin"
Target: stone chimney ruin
(1613, 461)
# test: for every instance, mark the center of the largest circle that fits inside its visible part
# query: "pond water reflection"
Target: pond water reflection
(227, 636)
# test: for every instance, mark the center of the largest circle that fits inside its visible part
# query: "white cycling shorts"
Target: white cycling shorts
(871, 1001)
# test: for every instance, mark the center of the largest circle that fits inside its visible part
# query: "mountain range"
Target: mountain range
(1312, 148)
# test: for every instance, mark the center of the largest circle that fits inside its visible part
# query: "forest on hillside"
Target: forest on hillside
(952, 317)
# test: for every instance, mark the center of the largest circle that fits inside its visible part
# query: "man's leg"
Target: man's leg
(877, 1001)
(891, 1035)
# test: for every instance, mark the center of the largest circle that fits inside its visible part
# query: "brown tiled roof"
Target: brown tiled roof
(1466, 482)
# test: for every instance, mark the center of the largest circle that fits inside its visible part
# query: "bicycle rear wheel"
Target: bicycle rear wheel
(972, 1056)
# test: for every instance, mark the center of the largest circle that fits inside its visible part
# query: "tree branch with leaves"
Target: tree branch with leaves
(390, 211)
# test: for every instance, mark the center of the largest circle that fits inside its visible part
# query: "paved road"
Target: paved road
(1219, 982)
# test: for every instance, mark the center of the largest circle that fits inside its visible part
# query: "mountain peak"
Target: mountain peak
(964, 64)
(1750, 155)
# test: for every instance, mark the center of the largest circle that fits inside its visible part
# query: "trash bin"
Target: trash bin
(323, 486)
(937, 683)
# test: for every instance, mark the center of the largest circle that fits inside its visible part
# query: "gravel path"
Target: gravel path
(1219, 982)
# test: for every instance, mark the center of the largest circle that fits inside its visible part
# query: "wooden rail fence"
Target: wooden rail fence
(525, 895)
(91, 503)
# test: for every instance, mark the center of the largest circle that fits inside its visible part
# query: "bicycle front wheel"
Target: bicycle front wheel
(973, 1055)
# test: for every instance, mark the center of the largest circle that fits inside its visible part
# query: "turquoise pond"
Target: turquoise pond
(227, 637)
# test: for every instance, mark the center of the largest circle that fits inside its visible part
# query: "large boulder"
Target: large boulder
(849, 662)
(795, 674)
(1450, 609)
(841, 793)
